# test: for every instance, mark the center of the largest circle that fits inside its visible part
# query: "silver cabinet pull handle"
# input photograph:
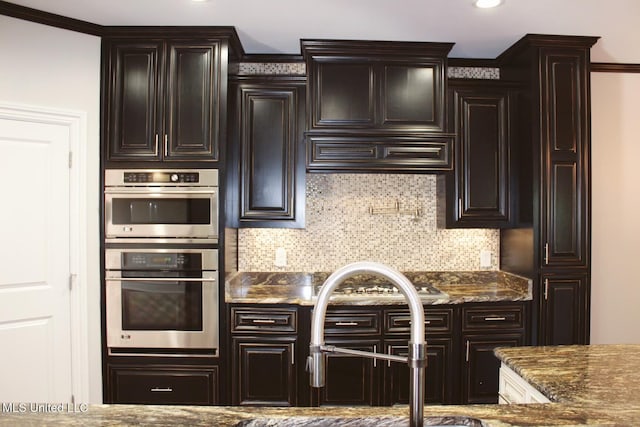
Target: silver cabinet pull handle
(375, 360)
(495, 319)
(546, 253)
(166, 145)
(162, 389)
(264, 321)
(293, 354)
(346, 323)
(408, 320)
(546, 289)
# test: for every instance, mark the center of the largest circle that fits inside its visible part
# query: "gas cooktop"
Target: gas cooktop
(359, 289)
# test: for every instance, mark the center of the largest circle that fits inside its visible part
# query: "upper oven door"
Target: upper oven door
(175, 215)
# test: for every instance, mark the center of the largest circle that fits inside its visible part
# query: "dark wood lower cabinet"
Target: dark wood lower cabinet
(481, 370)
(264, 372)
(351, 380)
(564, 302)
(438, 379)
(163, 385)
(268, 354)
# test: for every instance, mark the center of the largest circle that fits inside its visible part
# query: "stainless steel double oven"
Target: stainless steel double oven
(161, 261)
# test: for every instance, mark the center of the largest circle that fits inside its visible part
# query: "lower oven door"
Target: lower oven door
(163, 313)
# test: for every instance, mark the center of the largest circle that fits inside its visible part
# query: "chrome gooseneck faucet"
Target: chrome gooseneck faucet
(417, 345)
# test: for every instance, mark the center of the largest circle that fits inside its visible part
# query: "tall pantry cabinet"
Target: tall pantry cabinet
(552, 241)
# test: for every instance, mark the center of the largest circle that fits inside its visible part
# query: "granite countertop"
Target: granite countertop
(589, 375)
(590, 386)
(301, 288)
(550, 414)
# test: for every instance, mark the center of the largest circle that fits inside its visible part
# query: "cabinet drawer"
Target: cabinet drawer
(499, 317)
(345, 322)
(263, 320)
(435, 321)
(164, 386)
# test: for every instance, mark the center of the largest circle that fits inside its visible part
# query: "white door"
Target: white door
(35, 355)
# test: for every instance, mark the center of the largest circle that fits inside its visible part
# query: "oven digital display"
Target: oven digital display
(162, 261)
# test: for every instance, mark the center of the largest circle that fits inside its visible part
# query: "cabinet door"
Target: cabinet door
(264, 372)
(479, 196)
(134, 114)
(163, 385)
(272, 181)
(412, 96)
(481, 367)
(351, 380)
(192, 101)
(438, 378)
(564, 309)
(343, 95)
(565, 128)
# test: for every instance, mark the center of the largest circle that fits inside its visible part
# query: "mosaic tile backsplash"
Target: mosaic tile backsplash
(339, 229)
(299, 68)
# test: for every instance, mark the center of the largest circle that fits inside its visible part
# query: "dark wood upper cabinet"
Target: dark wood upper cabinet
(133, 98)
(565, 128)
(362, 94)
(478, 192)
(376, 106)
(267, 144)
(411, 95)
(164, 95)
(192, 102)
(343, 95)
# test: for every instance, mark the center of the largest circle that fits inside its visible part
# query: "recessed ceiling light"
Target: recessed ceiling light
(485, 4)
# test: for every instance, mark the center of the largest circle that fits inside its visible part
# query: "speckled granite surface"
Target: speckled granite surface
(300, 288)
(580, 374)
(552, 414)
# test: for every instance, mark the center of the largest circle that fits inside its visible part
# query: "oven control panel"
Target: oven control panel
(116, 178)
(161, 177)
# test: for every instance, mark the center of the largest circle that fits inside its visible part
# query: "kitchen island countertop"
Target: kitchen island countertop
(589, 375)
(591, 386)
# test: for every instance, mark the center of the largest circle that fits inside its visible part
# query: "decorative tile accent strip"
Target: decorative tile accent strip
(300, 69)
(340, 230)
(473, 73)
(259, 68)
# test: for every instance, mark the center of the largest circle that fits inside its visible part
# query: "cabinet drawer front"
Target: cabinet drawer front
(352, 323)
(164, 386)
(399, 322)
(263, 320)
(502, 317)
(379, 152)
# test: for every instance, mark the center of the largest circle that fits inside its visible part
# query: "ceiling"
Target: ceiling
(276, 26)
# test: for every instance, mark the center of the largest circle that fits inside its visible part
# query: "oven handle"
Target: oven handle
(160, 279)
(152, 190)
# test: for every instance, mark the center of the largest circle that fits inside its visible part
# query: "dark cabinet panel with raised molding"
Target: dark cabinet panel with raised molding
(376, 106)
(478, 193)
(165, 94)
(266, 171)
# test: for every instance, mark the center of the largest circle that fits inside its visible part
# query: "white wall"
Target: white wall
(49, 67)
(615, 316)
